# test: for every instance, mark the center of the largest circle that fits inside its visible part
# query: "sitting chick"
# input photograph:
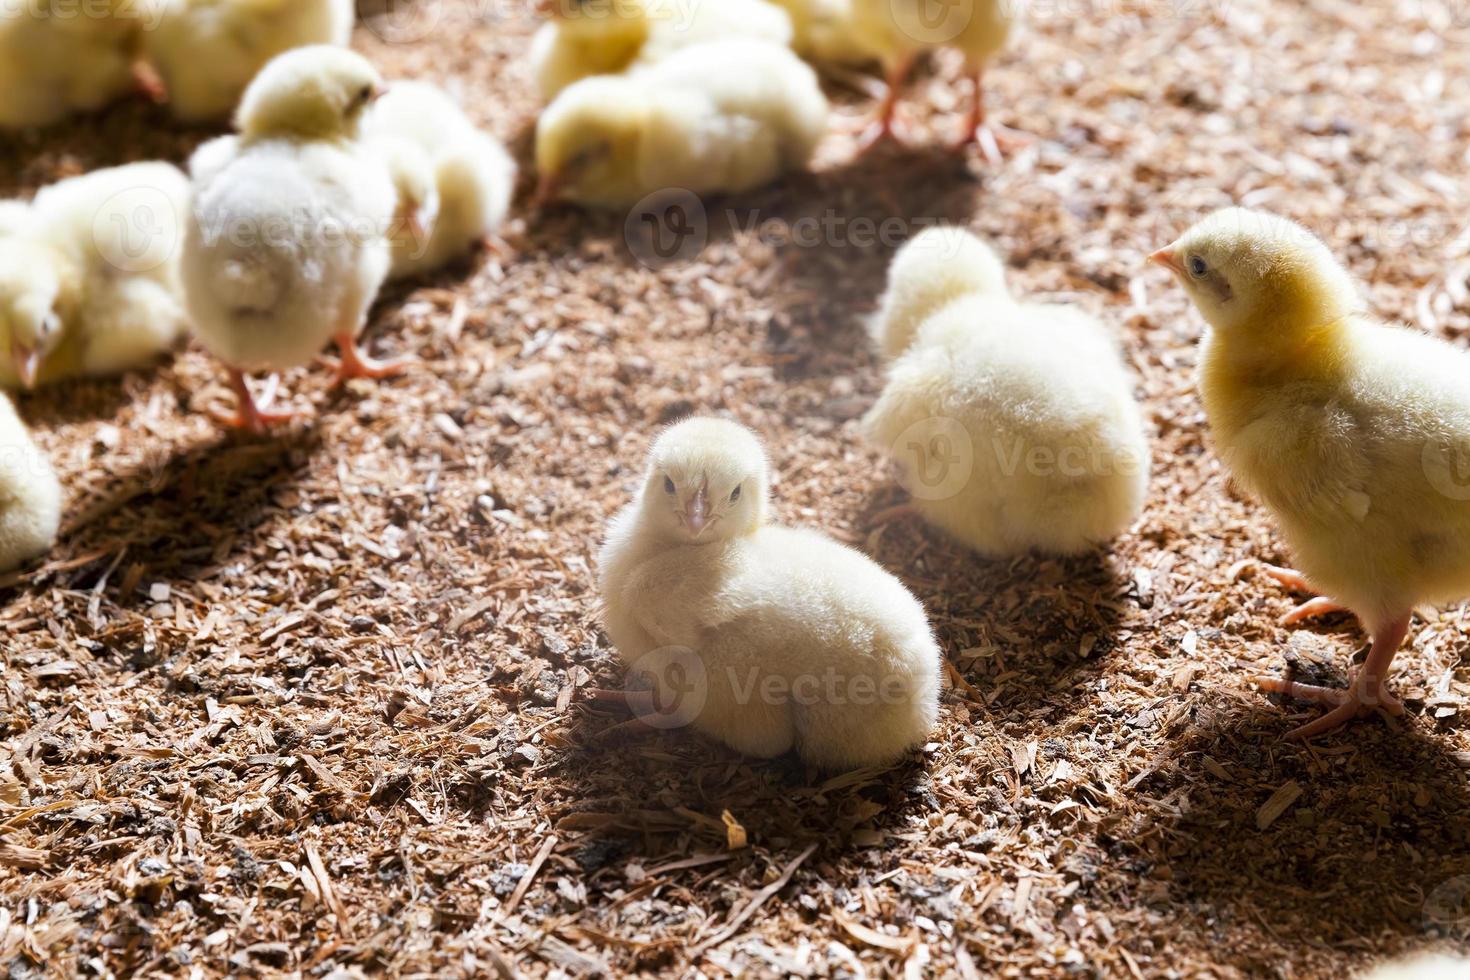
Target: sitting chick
(57, 59)
(89, 284)
(590, 38)
(207, 51)
(1014, 422)
(470, 177)
(900, 30)
(793, 640)
(1350, 431)
(286, 245)
(30, 495)
(725, 116)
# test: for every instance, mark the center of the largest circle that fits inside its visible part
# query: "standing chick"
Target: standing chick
(900, 30)
(57, 58)
(1014, 422)
(89, 284)
(724, 116)
(800, 642)
(586, 38)
(471, 176)
(1349, 430)
(30, 495)
(823, 32)
(207, 51)
(287, 240)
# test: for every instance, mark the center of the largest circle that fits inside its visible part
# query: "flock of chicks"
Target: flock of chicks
(1013, 422)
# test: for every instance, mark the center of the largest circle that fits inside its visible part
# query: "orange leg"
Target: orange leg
(356, 364)
(1297, 582)
(883, 126)
(1363, 696)
(891, 514)
(251, 414)
(994, 140)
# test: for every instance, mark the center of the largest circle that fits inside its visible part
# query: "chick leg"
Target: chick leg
(992, 139)
(1297, 582)
(356, 364)
(1363, 696)
(883, 128)
(251, 414)
(890, 514)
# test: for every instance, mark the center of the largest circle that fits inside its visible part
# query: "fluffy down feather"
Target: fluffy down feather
(791, 639)
(1423, 968)
(91, 284)
(471, 176)
(55, 60)
(207, 51)
(823, 31)
(30, 495)
(724, 116)
(580, 43)
(1014, 422)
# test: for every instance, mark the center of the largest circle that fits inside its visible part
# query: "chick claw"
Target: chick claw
(356, 364)
(1355, 702)
(1297, 582)
(251, 414)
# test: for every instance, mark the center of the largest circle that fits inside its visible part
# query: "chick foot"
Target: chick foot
(994, 140)
(1296, 582)
(251, 414)
(1364, 695)
(356, 364)
(884, 127)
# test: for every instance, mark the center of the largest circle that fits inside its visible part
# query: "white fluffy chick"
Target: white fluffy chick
(592, 37)
(727, 116)
(898, 31)
(471, 177)
(789, 639)
(287, 245)
(1427, 967)
(89, 286)
(1014, 423)
(30, 494)
(15, 218)
(57, 59)
(207, 51)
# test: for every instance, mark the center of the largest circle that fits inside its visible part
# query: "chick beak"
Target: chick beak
(379, 91)
(696, 514)
(1166, 258)
(27, 364)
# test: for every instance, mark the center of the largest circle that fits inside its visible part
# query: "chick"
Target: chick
(1347, 429)
(823, 32)
(30, 495)
(207, 51)
(1424, 967)
(470, 176)
(1013, 422)
(286, 245)
(15, 218)
(789, 639)
(588, 37)
(898, 31)
(724, 116)
(89, 285)
(56, 59)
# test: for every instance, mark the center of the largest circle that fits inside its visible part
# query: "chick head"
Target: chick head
(317, 92)
(588, 139)
(1254, 272)
(707, 481)
(934, 268)
(30, 285)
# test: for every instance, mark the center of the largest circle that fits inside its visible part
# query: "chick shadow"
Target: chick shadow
(1373, 853)
(133, 130)
(1030, 635)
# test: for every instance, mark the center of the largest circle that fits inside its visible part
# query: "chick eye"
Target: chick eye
(668, 485)
(734, 495)
(1197, 266)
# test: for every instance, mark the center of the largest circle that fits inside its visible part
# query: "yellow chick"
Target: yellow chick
(57, 59)
(1014, 423)
(823, 32)
(30, 494)
(455, 181)
(286, 245)
(898, 31)
(1349, 430)
(207, 51)
(89, 286)
(767, 638)
(591, 37)
(724, 116)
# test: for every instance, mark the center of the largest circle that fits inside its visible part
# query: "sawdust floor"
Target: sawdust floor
(306, 704)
